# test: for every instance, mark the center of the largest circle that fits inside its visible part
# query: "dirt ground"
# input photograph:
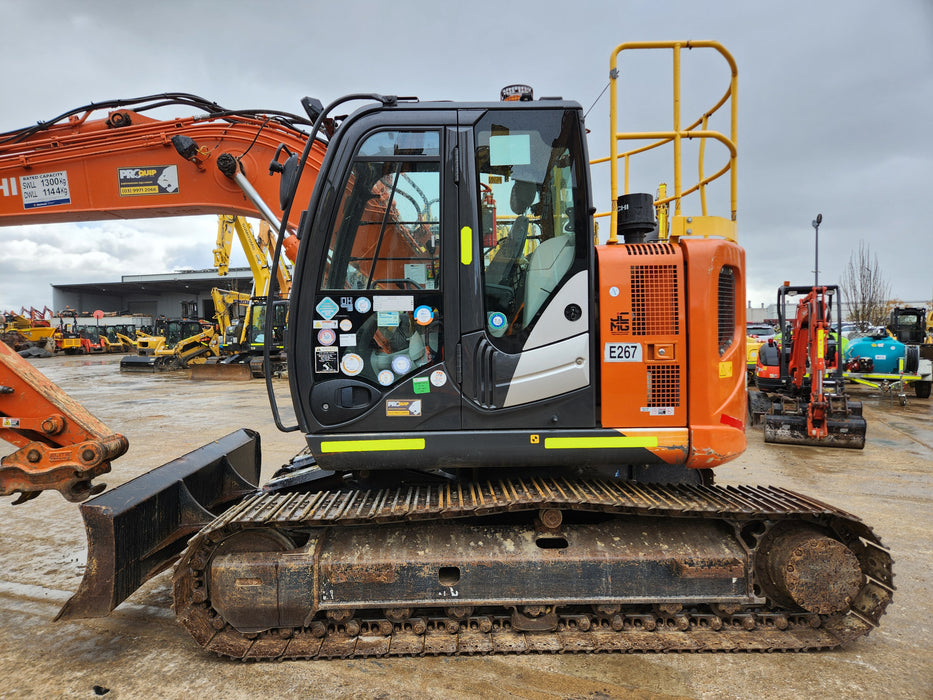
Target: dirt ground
(140, 651)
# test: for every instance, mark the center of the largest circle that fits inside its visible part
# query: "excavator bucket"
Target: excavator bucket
(787, 425)
(139, 529)
(239, 371)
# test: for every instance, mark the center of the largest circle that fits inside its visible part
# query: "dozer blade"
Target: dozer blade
(139, 529)
(791, 429)
(137, 363)
(217, 370)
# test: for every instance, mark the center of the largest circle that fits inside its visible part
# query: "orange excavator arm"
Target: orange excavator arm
(125, 164)
(62, 446)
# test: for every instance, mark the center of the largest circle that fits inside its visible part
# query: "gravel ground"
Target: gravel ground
(140, 651)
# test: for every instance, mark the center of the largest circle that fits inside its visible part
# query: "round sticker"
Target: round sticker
(386, 377)
(326, 336)
(351, 364)
(438, 377)
(496, 320)
(362, 305)
(613, 291)
(424, 315)
(346, 324)
(401, 364)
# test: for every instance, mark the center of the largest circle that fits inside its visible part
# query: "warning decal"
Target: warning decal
(45, 190)
(156, 179)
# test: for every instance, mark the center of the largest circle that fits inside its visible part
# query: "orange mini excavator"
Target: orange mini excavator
(509, 432)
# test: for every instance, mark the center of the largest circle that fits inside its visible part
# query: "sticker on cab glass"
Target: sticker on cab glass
(318, 324)
(497, 320)
(421, 385)
(417, 273)
(327, 308)
(346, 325)
(387, 319)
(326, 337)
(402, 303)
(362, 305)
(403, 408)
(401, 364)
(351, 364)
(153, 179)
(438, 377)
(347, 340)
(424, 315)
(326, 360)
(45, 190)
(386, 377)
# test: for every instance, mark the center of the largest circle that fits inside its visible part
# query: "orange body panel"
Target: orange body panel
(642, 336)
(101, 165)
(716, 385)
(672, 348)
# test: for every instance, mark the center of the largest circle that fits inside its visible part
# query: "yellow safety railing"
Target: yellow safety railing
(680, 225)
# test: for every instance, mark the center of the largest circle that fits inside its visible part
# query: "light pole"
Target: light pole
(816, 254)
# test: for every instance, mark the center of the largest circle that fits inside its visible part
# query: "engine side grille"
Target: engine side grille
(655, 300)
(663, 385)
(726, 309)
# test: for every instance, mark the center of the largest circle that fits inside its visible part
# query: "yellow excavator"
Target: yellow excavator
(240, 354)
(175, 344)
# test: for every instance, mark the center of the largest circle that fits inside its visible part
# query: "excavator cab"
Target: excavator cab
(443, 287)
(255, 331)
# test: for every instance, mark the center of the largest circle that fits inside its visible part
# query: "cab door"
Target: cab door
(527, 280)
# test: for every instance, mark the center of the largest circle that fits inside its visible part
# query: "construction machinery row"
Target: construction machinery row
(510, 432)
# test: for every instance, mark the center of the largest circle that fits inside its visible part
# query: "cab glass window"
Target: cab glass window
(386, 236)
(533, 226)
(381, 275)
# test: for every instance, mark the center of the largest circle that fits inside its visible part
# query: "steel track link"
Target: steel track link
(629, 630)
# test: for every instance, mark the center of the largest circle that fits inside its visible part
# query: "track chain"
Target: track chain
(699, 629)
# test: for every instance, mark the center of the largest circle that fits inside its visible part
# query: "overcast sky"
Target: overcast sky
(835, 104)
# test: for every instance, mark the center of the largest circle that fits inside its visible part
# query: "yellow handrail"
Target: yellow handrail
(675, 135)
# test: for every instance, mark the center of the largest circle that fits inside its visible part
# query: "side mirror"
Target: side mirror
(289, 171)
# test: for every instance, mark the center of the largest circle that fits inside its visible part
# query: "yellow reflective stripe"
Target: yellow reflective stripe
(373, 445)
(466, 245)
(588, 443)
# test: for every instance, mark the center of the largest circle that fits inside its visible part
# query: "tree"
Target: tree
(865, 289)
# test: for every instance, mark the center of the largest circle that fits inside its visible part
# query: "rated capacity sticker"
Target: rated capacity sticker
(45, 190)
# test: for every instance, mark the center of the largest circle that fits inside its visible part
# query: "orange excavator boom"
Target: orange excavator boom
(126, 164)
(112, 160)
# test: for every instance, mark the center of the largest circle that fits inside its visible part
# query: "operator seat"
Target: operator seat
(547, 266)
(499, 289)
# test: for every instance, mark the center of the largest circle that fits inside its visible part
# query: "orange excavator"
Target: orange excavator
(510, 432)
(805, 403)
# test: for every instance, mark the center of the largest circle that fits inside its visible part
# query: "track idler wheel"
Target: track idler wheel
(814, 571)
